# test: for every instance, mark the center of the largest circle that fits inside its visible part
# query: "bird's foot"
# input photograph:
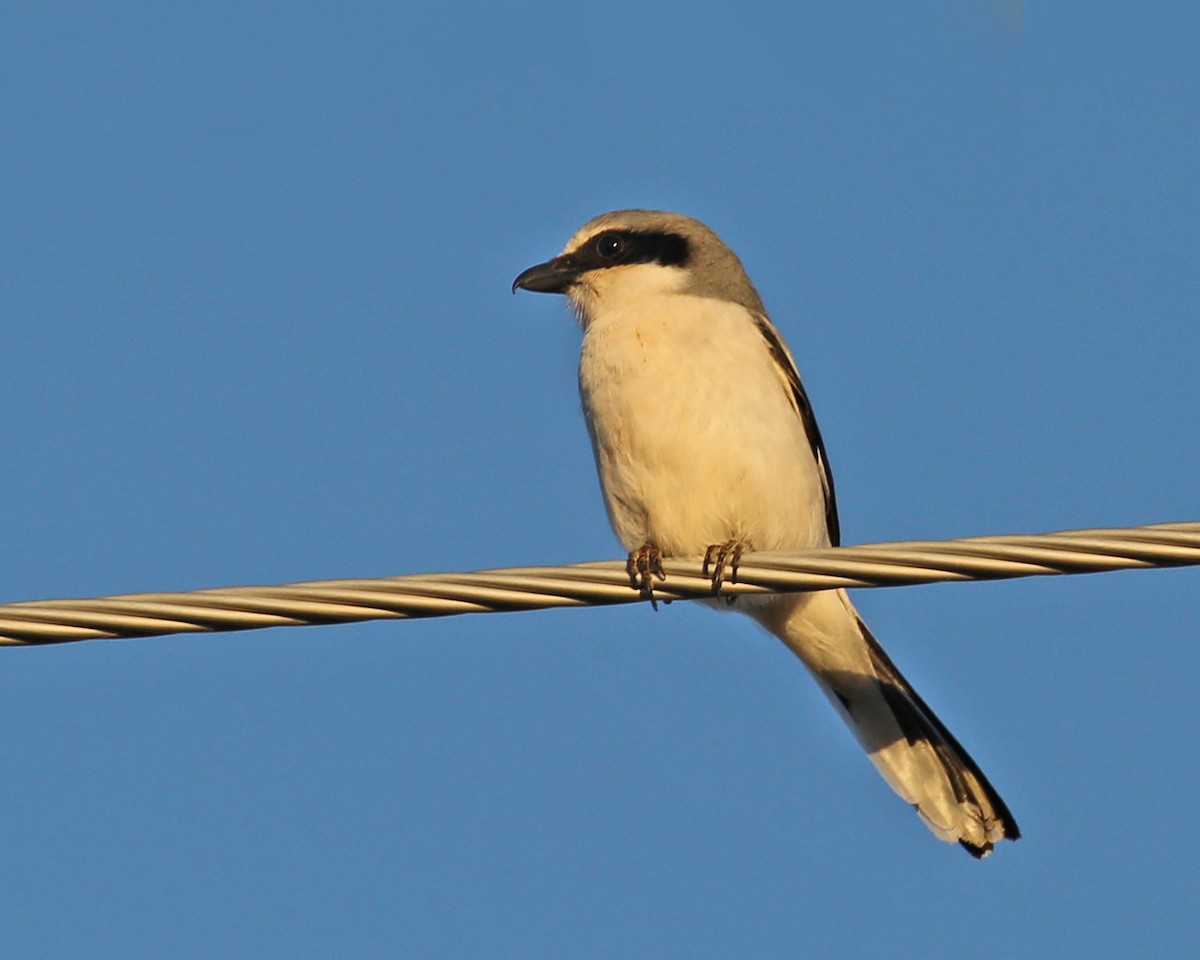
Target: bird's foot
(722, 556)
(644, 564)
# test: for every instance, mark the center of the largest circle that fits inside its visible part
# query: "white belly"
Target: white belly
(695, 438)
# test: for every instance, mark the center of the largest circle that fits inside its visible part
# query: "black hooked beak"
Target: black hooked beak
(553, 276)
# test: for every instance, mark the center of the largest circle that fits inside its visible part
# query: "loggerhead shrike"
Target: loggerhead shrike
(706, 444)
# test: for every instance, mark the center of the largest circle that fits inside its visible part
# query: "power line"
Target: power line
(589, 584)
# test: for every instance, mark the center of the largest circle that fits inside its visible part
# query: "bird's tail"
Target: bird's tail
(908, 744)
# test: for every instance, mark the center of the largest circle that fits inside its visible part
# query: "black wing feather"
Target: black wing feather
(804, 410)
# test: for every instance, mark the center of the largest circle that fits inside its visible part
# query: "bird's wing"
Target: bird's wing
(790, 378)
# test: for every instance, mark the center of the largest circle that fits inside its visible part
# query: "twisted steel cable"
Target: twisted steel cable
(587, 584)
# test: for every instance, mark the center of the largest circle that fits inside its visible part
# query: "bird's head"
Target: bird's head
(628, 255)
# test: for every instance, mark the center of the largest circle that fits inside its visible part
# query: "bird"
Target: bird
(706, 445)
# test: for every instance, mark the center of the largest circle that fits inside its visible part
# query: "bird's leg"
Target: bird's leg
(643, 565)
(719, 556)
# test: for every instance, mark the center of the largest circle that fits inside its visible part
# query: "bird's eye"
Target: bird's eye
(610, 245)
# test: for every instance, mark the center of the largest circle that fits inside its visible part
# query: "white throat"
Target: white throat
(616, 288)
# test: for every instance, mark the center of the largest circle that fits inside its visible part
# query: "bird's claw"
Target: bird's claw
(720, 556)
(643, 565)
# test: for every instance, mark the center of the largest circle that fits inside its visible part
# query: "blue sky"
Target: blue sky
(257, 328)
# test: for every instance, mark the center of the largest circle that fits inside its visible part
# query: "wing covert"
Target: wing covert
(790, 377)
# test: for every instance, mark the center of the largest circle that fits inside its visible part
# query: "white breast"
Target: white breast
(695, 438)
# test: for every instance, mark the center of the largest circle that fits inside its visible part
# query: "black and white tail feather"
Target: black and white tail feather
(920, 759)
